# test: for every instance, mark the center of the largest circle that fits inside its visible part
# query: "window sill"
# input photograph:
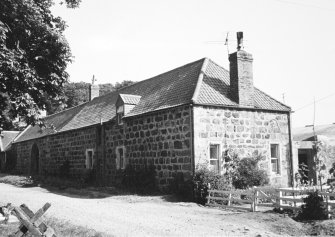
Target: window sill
(275, 175)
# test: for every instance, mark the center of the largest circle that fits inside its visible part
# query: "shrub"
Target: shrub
(182, 187)
(141, 180)
(313, 209)
(248, 173)
(202, 177)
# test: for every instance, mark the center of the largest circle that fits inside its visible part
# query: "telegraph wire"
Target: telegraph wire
(315, 101)
(305, 5)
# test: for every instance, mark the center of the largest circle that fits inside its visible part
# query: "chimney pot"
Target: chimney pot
(239, 40)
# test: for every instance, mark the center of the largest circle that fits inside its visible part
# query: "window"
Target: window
(120, 158)
(214, 157)
(120, 114)
(275, 157)
(89, 159)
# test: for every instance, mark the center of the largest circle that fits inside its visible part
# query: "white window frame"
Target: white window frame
(278, 172)
(88, 164)
(218, 145)
(121, 161)
(120, 114)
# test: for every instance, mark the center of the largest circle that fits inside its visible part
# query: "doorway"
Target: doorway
(306, 159)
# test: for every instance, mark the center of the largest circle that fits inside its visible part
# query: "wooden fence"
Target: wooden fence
(282, 198)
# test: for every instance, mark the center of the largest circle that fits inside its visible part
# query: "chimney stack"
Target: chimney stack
(93, 90)
(241, 76)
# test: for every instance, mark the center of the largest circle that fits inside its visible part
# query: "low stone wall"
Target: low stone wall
(245, 132)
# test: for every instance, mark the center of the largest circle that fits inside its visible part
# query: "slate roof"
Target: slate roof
(307, 134)
(201, 82)
(6, 138)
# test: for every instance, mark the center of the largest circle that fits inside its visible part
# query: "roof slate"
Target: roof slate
(170, 89)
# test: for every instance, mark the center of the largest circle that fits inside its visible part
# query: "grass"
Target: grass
(62, 228)
(17, 180)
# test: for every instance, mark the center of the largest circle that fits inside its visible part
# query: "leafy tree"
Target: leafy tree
(33, 57)
(76, 93)
(123, 84)
(321, 150)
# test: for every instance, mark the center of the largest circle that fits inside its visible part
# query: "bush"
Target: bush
(139, 180)
(182, 187)
(202, 177)
(248, 173)
(313, 209)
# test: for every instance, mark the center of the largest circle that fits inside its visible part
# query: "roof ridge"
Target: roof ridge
(273, 98)
(161, 74)
(65, 110)
(218, 65)
(200, 79)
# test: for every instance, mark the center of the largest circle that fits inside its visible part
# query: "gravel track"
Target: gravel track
(133, 215)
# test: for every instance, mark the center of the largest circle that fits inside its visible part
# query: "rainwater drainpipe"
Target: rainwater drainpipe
(291, 147)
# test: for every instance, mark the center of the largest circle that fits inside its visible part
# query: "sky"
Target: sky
(292, 43)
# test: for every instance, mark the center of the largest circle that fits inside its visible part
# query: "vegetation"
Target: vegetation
(203, 179)
(239, 174)
(248, 173)
(76, 93)
(301, 177)
(34, 55)
(321, 150)
(62, 228)
(33, 58)
(313, 208)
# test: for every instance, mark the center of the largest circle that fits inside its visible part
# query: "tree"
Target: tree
(33, 58)
(123, 84)
(322, 153)
(76, 93)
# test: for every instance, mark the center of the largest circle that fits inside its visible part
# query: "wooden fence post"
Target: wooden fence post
(209, 197)
(255, 201)
(328, 206)
(229, 197)
(280, 201)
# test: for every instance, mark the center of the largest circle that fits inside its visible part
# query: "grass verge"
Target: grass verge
(62, 228)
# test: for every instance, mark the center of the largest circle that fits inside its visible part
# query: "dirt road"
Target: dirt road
(148, 216)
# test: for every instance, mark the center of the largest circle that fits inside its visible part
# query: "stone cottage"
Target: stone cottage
(175, 121)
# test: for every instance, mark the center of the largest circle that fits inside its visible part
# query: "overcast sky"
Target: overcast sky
(292, 42)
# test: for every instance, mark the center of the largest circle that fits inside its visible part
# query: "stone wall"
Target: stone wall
(245, 132)
(55, 149)
(162, 139)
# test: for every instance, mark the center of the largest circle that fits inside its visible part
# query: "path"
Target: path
(139, 216)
